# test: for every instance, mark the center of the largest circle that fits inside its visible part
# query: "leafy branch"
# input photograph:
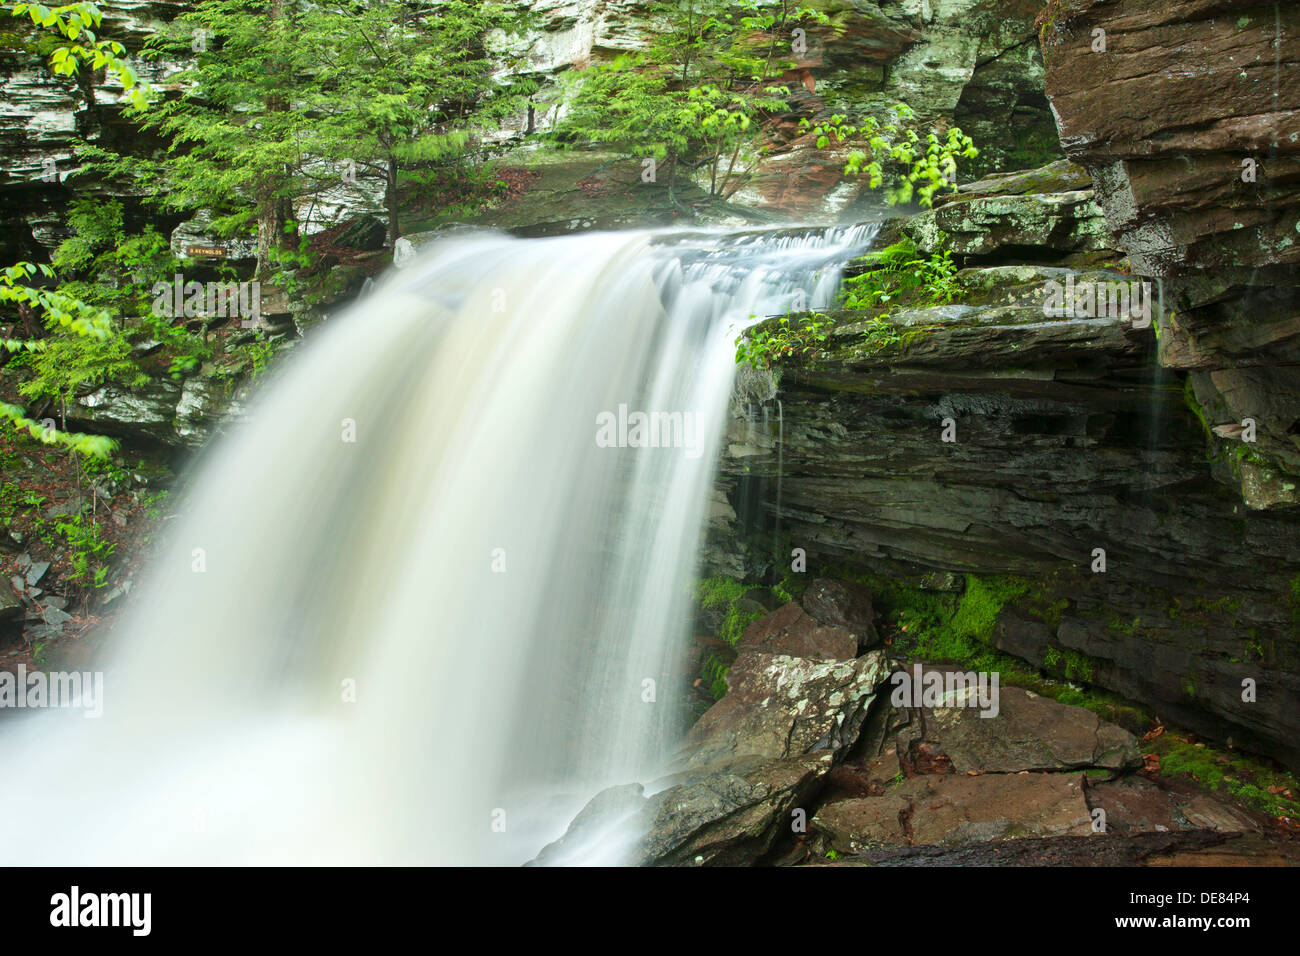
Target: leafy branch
(77, 23)
(929, 164)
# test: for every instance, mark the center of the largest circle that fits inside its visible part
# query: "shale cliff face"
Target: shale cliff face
(989, 438)
(1188, 117)
(1082, 433)
(44, 117)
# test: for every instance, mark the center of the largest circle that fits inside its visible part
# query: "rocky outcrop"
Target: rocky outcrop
(1198, 173)
(1034, 770)
(789, 630)
(162, 414)
(44, 117)
(844, 605)
(754, 764)
(973, 63)
(1168, 147)
(988, 437)
(1046, 215)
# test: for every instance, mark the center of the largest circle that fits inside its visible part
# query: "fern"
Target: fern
(900, 273)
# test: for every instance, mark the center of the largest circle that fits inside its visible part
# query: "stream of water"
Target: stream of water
(431, 596)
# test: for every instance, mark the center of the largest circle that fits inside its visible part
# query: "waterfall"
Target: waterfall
(431, 595)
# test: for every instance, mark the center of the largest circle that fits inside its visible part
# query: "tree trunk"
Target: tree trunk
(269, 228)
(390, 201)
(272, 210)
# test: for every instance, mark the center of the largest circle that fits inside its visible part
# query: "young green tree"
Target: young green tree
(696, 95)
(287, 99)
(236, 133)
(399, 86)
(78, 336)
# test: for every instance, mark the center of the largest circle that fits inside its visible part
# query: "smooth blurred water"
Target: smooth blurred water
(505, 597)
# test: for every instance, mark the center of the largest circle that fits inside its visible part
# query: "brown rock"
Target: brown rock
(1134, 805)
(1187, 122)
(952, 810)
(1165, 141)
(1205, 813)
(851, 826)
(842, 604)
(1029, 732)
(789, 630)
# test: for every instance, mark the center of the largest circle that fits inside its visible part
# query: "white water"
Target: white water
(474, 378)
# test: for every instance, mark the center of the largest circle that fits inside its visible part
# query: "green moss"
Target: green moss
(1072, 664)
(1247, 779)
(718, 592)
(792, 583)
(947, 628)
(880, 335)
(977, 614)
(737, 620)
(714, 672)
(723, 594)
(1045, 606)
(1120, 626)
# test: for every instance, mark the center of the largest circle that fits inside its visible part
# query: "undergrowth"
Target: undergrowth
(897, 275)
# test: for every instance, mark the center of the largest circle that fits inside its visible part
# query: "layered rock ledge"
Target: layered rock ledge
(990, 438)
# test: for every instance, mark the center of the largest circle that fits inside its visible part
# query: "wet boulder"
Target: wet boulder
(779, 706)
(731, 815)
(843, 604)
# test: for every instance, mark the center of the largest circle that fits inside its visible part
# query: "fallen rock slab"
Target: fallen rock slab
(952, 810)
(1187, 848)
(1025, 732)
(1135, 804)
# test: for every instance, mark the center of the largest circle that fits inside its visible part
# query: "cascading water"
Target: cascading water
(417, 611)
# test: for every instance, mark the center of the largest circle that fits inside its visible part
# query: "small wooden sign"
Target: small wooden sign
(206, 252)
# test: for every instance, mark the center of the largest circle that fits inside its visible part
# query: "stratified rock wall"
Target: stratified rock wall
(1066, 436)
(1188, 117)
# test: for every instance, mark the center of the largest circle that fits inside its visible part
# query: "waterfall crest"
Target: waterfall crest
(431, 596)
